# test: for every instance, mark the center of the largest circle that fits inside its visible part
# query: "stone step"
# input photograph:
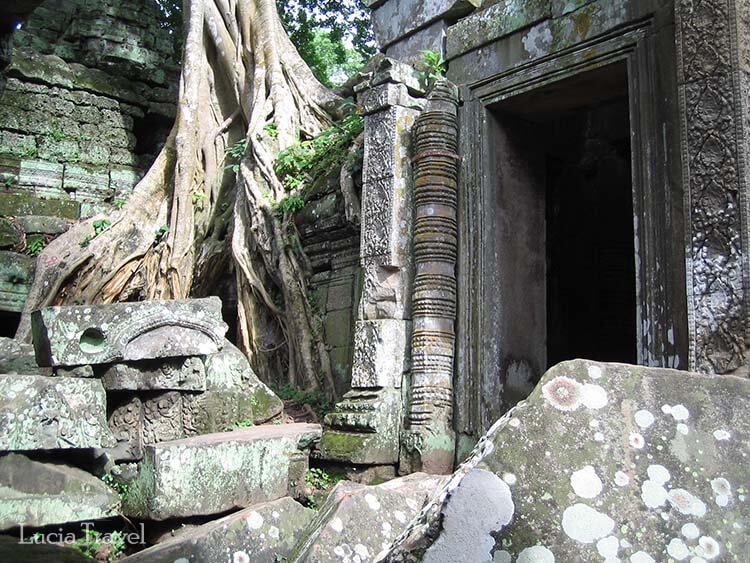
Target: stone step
(214, 473)
(263, 533)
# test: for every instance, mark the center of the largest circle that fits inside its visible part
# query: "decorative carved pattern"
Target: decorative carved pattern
(713, 181)
(163, 418)
(435, 252)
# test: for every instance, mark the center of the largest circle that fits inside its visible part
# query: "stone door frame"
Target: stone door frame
(662, 310)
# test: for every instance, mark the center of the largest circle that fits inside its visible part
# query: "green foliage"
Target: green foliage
(8, 180)
(161, 232)
(244, 423)
(34, 245)
(288, 204)
(431, 66)
(302, 163)
(100, 225)
(317, 400)
(92, 542)
(270, 129)
(236, 153)
(318, 478)
(29, 153)
(334, 37)
(55, 131)
(119, 487)
(119, 202)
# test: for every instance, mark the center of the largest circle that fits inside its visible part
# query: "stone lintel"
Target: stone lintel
(104, 334)
(383, 96)
(185, 374)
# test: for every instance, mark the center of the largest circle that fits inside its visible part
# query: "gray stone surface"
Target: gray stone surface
(35, 494)
(17, 357)
(16, 274)
(263, 533)
(102, 334)
(397, 18)
(43, 225)
(214, 473)
(410, 50)
(357, 522)
(40, 413)
(184, 374)
(603, 461)
(11, 551)
(380, 353)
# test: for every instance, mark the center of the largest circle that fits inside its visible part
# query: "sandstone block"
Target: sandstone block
(102, 334)
(380, 353)
(43, 413)
(184, 374)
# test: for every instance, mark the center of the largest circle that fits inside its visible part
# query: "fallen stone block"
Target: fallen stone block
(602, 462)
(214, 473)
(18, 357)
(34, 494)
(106, 334)
(181, 374)
(40, 413)
(11, 551)
(263, 533)
(357, 522)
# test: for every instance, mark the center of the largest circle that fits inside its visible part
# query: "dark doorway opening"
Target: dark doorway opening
(565, 241)
(9, 322)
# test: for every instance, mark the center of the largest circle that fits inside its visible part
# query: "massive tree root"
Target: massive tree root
(241, 79)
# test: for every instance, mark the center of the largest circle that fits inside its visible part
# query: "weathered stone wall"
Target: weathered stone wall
(89, 98)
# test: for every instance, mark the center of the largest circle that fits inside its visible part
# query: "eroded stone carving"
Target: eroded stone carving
(186, 374)
(101, 334)
(429, 441)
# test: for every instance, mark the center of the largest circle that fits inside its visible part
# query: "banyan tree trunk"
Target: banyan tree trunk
(192, 213)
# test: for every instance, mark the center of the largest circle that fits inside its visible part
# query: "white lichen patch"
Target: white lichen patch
(621, 479)
(653, 494)
(683, 429)
(536, 554)
(641, 557)
(595, 372)
(722, 435)
(254, 521)
(608, 547)
(722, 491)
(635, 440)
(658, 473)
(240, 557)
(686, 503)
(594, 396)
(690, 531)
(400, 516)
(679, 413)
(502, 556)
(273, 532)
(644, 418)
(586, 483)
(708, 548)
(514, 422)
(372, 501)
(362, 552)
(336, 524)
(509, 478)
(677, 549)
(585, 524)
(563, 393)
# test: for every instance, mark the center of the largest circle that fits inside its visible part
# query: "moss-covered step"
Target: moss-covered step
(26, 204)
(602, 462)
(263, 533)
(357, 522)
(35, 494)
(44, 413)
(213, 473)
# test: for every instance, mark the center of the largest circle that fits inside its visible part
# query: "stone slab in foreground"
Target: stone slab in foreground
(604, 462)
(41, 413)
(34, 494)
(263, 533)
(357, 521)
(214, 473)
(103, 334)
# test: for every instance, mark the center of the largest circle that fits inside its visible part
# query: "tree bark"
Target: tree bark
(240, 74)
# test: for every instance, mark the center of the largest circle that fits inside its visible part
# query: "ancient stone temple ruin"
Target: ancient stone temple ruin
(538, 321)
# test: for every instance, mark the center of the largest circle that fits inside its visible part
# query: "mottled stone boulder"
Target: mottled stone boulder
(36, 494)
(357, 522)
(214, 473)
(105, 334)
(603, 462)
(17, 357)
(39, 413)
(11, 551)
(182, 374)
(229, 371)
(263, 533)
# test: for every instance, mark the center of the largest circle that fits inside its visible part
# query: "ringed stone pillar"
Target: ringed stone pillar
(429, 440)
(364, 427)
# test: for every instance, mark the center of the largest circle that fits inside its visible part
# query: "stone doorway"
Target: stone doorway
(569, 178)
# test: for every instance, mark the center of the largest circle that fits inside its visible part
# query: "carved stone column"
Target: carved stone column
(365, 426)
(713, 77)
(429, 441)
